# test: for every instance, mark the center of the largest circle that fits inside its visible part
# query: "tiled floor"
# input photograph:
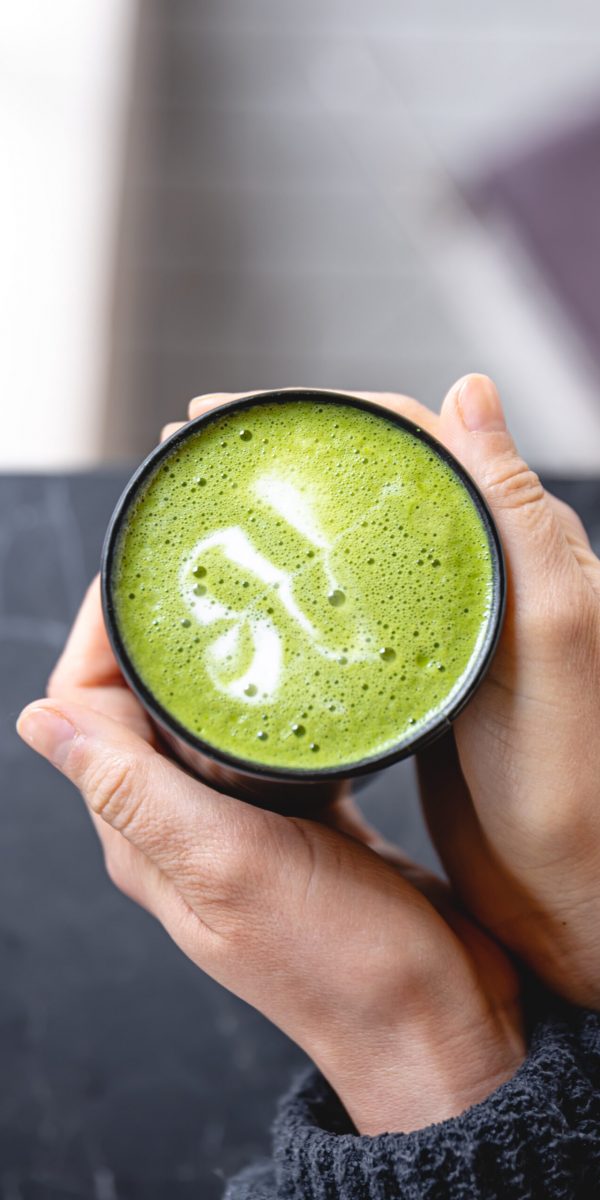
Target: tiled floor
(296, 212)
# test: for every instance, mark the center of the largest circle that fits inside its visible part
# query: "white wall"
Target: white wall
(307, 226)
(64, 76)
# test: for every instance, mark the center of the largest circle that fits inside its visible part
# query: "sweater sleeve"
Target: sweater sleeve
(537, 1137)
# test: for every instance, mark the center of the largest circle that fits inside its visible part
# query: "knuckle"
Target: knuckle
(511, 484)
(231, 878)
(197, 403)
(235, 880)
(115, 791)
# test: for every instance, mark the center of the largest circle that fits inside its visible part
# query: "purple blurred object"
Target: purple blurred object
(551, 194)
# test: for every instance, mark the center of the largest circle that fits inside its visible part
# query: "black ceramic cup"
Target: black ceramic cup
(292, 791)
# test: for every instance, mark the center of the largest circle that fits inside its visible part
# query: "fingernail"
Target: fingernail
(47, 732)
(479, 405)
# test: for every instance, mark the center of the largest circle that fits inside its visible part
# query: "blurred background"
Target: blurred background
(236, 194)
(219, 195)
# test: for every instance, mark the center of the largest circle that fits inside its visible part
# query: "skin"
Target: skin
(362, 958)
(511, 798)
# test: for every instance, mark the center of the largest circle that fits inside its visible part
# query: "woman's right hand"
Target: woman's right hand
(512, 800)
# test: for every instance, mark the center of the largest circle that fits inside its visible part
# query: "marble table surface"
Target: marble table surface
(124, 1072)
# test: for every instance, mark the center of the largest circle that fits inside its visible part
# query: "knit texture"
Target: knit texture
(536, 1136)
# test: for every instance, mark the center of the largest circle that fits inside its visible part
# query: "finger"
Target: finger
(459, 838)
(449, 813)
(446, 800)
(345, 816)
(473, 426)
(171, 428)
(87, 659)
(210, 400)
(406, 406)
(87, 671)
(197, 837)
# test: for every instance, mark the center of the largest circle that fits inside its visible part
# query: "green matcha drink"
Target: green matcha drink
(302, 584)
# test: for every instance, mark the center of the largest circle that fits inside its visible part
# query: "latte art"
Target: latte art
(302, 584)
(260, 680)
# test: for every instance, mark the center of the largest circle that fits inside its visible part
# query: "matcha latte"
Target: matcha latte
(302, 583)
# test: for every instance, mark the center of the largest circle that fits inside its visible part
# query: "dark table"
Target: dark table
(124, 1072)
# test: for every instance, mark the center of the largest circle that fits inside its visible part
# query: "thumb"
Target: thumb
(185, 828)
(473, 427)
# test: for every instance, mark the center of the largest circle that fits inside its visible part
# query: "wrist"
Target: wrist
(402, 1080)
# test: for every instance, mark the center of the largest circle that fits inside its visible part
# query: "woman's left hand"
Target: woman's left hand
(411, 1011)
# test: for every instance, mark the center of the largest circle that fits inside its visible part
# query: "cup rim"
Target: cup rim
(442, 719)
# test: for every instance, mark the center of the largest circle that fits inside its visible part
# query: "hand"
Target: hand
(513, 807)
(512, 799)
(365, 964)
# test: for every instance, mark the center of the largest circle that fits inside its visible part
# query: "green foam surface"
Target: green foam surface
(303, 584)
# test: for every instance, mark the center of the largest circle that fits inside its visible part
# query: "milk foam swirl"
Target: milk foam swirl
(266, 665)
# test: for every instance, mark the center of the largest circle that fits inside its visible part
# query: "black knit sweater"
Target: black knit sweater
(537, 1137)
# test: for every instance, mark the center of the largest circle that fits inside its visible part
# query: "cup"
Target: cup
(294, 791)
